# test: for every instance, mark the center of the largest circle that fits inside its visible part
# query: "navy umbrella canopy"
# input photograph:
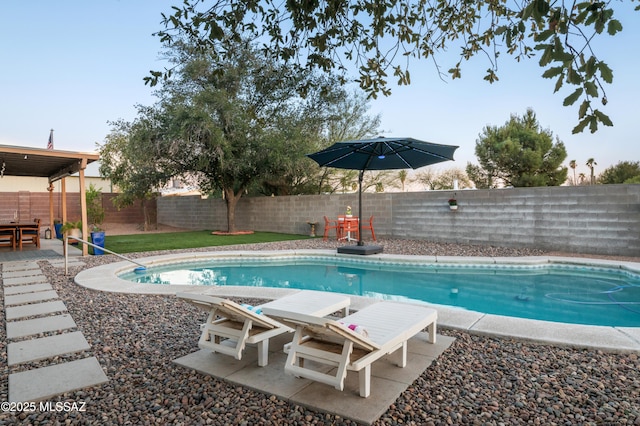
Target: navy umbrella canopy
(381, 154)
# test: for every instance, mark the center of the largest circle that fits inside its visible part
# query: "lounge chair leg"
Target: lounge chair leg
(432, 332)
(263, 353)
(341, 374)
(402, 362)
(364, 377)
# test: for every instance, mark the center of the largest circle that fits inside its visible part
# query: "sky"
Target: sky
(75, 65)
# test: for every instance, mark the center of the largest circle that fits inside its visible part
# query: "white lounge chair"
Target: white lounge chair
(230, 326)
(389, 326)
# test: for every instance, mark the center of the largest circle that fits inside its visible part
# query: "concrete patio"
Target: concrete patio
(387, 380)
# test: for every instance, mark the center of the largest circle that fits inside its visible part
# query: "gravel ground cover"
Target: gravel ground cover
(478, 380)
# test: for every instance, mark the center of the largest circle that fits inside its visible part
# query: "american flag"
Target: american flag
(50, 143)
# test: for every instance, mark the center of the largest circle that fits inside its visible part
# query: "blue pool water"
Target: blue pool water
(561, 293)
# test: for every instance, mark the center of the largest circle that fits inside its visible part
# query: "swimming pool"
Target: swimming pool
(575, 294)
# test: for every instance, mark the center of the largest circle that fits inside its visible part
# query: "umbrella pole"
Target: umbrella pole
(360, 242)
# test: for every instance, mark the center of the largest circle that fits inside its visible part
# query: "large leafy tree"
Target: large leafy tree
(132, 158)
(520, 153)
(351, 121)
(345, 117)
(229, 124)
(623, 172)
(380, 38)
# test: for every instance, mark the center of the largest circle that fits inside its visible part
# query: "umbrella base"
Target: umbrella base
(363, 250)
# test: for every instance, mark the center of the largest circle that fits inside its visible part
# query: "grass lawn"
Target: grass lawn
(184, 240)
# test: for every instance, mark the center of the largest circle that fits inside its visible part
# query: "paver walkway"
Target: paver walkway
(32, 307)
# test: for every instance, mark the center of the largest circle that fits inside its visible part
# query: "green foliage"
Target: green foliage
(518, 154)
(68, 226)
(482, 179)
(381, 38)
(426, 178)
(346, 180)
(344, 117)
(591, 163)
(230, 124)
(131, 157)
(445, 179)
(433, 180)
(402, 178)
(623, 172)
(95, 211)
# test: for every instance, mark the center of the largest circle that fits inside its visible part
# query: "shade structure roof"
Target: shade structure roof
(383, 154)
(35, 162)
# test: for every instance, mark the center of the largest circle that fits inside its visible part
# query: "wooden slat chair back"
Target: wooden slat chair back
(30, 234)
(8, 236)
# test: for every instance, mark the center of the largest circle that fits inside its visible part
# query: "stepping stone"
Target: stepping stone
(40, 296)
(42, 383)
(16, 274)
(39, 325)
(46, 347)
(60, 263)
(29, 288)
(15, 312)
(24, 280)
(19, 266)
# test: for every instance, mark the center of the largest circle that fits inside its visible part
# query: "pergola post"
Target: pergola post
(63, 202)
(83, 208)
(51, 227)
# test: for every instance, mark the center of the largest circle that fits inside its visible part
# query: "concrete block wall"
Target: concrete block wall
(603, 219)
(599, 219)
(273, 214)
(31, 205)
(129, 214)
(192, 212)
(9, 206)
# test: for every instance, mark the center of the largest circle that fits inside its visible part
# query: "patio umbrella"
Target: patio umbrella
(381, 154)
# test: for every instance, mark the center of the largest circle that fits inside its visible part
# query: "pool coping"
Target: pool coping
(611, 339)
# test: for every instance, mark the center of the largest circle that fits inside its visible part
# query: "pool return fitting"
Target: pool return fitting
(140, 268)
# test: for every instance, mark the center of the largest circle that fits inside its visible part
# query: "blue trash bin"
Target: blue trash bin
(97, 238)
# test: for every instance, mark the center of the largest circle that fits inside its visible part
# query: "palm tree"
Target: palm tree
(573, 165)
(402, 175)
(582, 177)
(590, 164)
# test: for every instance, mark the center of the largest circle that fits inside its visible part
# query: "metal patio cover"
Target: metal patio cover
(49, 163)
